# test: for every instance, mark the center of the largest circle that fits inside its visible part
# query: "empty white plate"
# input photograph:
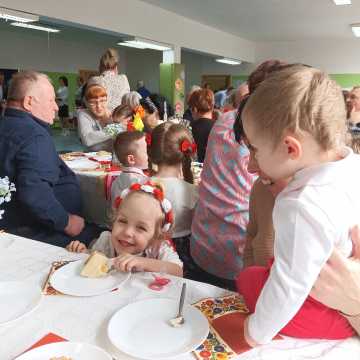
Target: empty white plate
(142, 329)
(76, 351)
(82, 164)
(68, 281)
(17, 298)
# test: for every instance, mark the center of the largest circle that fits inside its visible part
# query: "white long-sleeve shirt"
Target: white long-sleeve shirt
(311, 215)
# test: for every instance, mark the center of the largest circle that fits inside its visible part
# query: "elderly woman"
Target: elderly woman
(201, 103)
(116, 85)
(92, 120)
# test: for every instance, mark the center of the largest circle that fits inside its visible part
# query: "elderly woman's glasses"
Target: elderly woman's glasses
(100, 101)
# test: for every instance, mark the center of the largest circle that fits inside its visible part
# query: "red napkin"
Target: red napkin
(47, 339)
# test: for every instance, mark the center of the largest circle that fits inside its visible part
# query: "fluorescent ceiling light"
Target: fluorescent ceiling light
(356, 29)
(19, 16)
(144, 44)
(35, 27)
(342, 2)
(228, 61)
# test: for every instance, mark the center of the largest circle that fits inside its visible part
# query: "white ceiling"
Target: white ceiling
(270, 20)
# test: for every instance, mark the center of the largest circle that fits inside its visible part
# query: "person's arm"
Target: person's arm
(302, 236)
(37, 172)
(338, 285)
(89, 136)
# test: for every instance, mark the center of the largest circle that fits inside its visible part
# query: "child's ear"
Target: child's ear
(293, 147)
(131, 160)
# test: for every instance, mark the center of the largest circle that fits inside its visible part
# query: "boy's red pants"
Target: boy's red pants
(313, 320)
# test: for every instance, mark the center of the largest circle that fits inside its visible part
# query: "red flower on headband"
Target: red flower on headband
(117, 202)
(135, 187)
(130, 126)
(158, 194)
(169, 217)
(148, 139)
(187, 147)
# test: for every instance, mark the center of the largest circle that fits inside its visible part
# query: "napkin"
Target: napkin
(47, 339)
(226, 316)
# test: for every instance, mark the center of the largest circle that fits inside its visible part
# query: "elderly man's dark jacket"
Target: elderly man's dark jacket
(46, 189)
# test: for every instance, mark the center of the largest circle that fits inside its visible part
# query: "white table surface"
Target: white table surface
(86, 319)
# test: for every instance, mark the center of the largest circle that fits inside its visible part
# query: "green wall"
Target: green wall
(72, 79)
(344, 80)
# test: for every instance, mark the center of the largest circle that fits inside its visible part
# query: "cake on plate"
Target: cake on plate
(95, 266)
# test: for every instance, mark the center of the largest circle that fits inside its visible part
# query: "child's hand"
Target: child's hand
(76, 246)
(128, 263)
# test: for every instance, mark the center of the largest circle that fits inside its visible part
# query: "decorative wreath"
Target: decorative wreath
(158, 194)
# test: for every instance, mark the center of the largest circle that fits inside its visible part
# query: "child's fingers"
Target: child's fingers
(71, 247)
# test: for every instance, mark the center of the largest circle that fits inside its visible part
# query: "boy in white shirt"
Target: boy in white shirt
(295, 124)
(131, 150)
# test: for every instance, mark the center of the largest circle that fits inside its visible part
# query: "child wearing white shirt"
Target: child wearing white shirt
(139, 237)
(295, 124)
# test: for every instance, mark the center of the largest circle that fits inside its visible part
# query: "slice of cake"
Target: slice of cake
(95, 266)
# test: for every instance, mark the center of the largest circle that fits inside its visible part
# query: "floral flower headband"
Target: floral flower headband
(137, 124)
(157, 193)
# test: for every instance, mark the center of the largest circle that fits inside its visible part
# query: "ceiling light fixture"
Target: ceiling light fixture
(228, 61)
(356, 29)
(144, 44)
(35, 27)
(19, 16)
(342, 2)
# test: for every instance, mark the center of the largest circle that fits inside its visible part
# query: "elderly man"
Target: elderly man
(47, 203)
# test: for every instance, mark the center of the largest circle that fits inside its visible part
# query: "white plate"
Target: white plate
(82, 164)
(142, 329)
(68, 281)
(17, 298)
(77, 351)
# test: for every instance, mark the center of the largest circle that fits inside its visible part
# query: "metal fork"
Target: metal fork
(179, 319)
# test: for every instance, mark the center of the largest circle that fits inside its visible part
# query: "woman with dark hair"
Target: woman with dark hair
(62, 96)
(201, 103)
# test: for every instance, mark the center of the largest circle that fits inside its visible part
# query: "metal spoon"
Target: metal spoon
(179, 319)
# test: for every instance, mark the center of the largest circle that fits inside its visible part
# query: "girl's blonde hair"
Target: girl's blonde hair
(165, 148)
(299, 99)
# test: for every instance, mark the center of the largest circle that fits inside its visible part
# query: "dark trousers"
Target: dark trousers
(193, 271)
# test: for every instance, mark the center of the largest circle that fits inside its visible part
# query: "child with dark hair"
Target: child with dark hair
(131, 150)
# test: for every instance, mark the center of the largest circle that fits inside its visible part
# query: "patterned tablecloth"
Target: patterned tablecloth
(86, 319)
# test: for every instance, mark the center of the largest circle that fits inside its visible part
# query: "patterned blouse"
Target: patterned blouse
(222, 214)
(116, 86)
